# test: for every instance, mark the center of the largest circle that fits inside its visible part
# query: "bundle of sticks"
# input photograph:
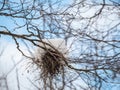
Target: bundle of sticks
(51, 63)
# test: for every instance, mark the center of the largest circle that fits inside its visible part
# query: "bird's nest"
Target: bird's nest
(51, 63)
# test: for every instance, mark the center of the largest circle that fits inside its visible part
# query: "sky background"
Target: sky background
(11, 55)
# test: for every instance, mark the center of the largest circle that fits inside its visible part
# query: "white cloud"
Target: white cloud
(10, 60)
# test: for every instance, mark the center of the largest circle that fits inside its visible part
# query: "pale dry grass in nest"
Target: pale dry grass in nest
(51, 63)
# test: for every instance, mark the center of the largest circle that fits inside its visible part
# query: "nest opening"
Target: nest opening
(51, 63)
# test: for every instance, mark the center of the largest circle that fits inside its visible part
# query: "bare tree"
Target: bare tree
(91, 29)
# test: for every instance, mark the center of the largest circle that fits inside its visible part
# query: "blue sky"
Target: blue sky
(10, 47)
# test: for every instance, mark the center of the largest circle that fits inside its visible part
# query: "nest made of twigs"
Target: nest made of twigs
(51, 63)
